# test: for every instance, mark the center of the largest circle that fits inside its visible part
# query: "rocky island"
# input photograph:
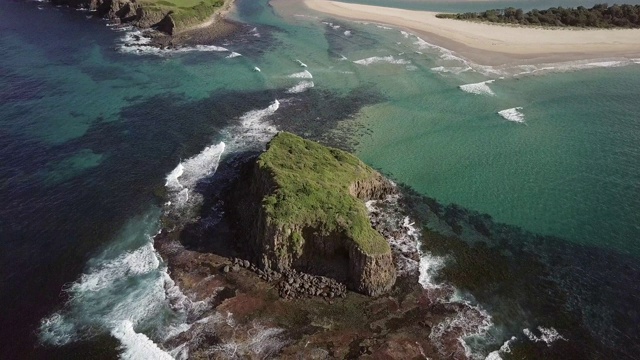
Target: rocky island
(307, 223)
(306, 203)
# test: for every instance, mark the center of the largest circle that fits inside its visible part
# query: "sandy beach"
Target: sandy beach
(489, 44)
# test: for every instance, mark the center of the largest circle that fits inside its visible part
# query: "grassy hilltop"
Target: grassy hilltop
(313, 187)
(185, 13)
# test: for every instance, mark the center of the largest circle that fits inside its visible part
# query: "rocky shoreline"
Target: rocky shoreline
(157, 28)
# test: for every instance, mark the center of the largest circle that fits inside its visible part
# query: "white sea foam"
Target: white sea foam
(547, 335)
(301, 87)
(256, 69)
(470, 321)
(254, 130)
(382, 59)
(137, 346)
(404, 244)
(124, 283)
(480, 88)
(504, 349)
(512, 114)
(302, 75)
(452, 69)
(383, 27)
(331, 25)
(255, 32)
(429, 267)
(347, 33)
(139, 42)
(233, 54)
(181, 181)
(301, 63)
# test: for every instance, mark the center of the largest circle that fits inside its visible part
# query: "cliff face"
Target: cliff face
(303, 208)
(126, 11)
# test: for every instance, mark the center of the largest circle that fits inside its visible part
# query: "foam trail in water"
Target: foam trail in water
(480, 88)
(137, 346)
(513, 114)
(382, 59)
(301, 87)
(302, 75)
(301, 63)
(233, 54)
(547, 335)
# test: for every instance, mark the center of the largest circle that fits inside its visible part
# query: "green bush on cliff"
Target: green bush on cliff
(313, 190)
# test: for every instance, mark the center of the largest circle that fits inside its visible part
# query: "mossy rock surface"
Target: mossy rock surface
(313, 189)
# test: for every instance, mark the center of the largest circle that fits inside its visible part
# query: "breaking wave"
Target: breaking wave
(123, 289)
(182, 180)
(382, 59)
(302, 75)
(301, 87)
(136, 345)
(513, 114)
(480, 88)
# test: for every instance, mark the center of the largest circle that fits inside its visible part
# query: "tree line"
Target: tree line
(599, 16)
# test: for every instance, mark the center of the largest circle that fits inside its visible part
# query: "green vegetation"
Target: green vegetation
(599, 16)
(313, 190)
(184, 13)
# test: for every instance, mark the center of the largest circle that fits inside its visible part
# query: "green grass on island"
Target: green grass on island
(313, 190)
(185, 13)
(599, 16)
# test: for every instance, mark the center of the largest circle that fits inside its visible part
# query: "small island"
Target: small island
(304, 224)
(307, 204)
(600, 16)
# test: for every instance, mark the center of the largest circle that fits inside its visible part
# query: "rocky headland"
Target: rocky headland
(167, 23)
(324, 264)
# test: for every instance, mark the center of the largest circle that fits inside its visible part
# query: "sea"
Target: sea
(524, 180)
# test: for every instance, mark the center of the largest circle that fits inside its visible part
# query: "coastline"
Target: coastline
(206, 33)
(493, 45)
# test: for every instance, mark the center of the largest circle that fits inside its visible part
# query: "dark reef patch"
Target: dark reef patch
(525, 280)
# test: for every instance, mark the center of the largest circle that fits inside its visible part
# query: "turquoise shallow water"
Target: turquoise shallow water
(568, 170)
(89, 133)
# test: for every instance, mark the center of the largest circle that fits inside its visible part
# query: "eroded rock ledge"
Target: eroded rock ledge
(301, 206)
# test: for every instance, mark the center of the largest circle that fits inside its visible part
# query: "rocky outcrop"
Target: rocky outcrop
(126, 11)
(307, 212)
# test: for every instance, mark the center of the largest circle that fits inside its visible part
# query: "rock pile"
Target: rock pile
(293, 284)
(296, 285)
